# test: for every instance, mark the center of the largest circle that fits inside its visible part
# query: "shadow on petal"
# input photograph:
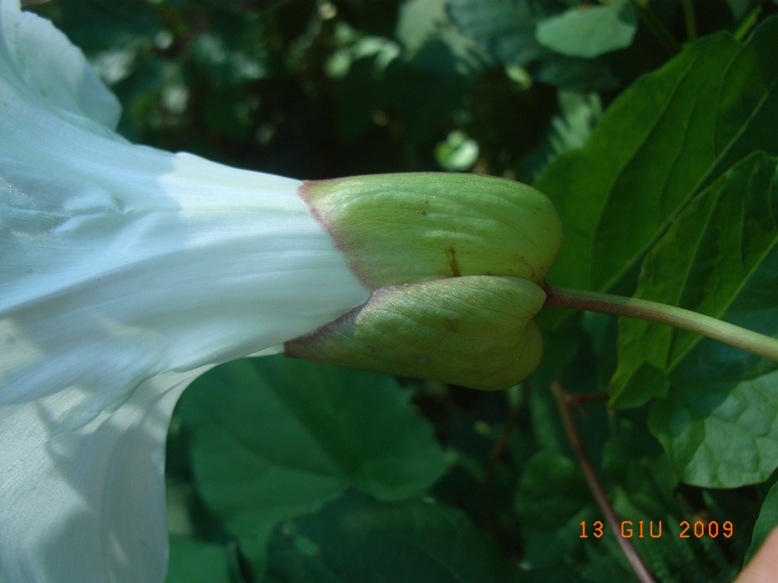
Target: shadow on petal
(87, 503)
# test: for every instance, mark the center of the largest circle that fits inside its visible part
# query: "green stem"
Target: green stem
(663, 314)
(747, 23)
(689, 20)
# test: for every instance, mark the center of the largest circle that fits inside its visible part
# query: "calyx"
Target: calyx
(456, 262)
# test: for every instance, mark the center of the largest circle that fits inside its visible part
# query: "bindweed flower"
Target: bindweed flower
(125, 272)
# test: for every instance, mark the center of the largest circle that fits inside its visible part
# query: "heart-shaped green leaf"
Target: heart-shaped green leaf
(274, 437)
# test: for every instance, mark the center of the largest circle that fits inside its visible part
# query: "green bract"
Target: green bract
(408, 228)
(456, 261)
(474, 331)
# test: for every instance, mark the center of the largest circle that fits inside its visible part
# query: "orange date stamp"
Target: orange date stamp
(657, 529)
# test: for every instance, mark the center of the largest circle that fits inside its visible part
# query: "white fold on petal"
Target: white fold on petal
(124, 272)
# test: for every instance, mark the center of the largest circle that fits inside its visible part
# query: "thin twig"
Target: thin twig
(583, 398)
(595, 486)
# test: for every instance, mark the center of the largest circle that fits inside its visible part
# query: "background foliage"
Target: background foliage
(650, 123)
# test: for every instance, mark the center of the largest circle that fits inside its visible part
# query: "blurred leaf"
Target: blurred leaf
(607, 568)
(552, 499)
(359, 540)
(195, 561)
(589, 31)
(666, 137)
(505, 28)
(575, 73)
(432, 43)
(382, 50)
(276, 437)
(458, 152)
(228, 65)
(574, 124)
(570, 129)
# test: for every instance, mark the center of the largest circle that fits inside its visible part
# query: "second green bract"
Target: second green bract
(456, 262)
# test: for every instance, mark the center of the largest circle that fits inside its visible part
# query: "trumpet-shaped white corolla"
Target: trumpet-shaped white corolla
(125, 272)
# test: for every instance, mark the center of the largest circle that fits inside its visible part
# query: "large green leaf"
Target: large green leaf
(722, 241)
(275, 437)
(717, 420)
(664, 139)
(360, 540)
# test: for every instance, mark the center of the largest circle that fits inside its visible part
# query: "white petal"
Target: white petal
(125, 271)
(85, 503)
(41, 64)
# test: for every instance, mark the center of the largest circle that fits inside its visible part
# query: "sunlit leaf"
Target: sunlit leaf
(717, 423)
(710, 261)
(666, 137)
(720, 257)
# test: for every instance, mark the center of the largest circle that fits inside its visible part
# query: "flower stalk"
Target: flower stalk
(713, 328)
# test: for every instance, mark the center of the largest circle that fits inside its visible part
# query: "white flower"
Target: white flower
(124, 273)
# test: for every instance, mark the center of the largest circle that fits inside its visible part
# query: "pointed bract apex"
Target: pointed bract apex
(408, 228)
(472, 331)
